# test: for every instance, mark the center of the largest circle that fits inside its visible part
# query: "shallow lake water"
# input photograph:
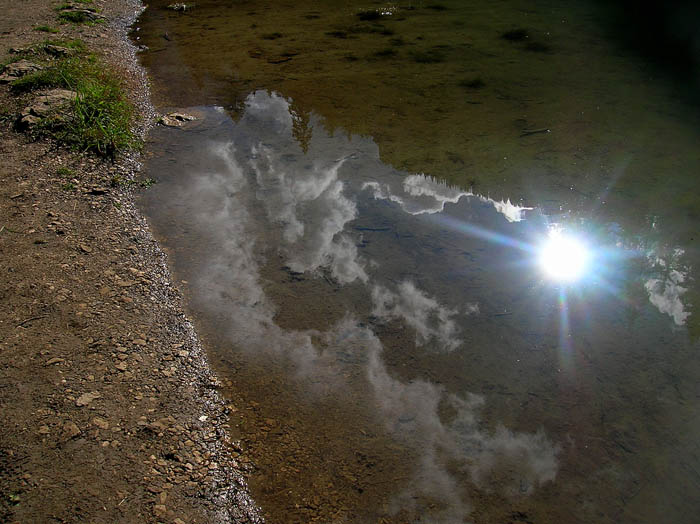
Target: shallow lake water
(362, 217)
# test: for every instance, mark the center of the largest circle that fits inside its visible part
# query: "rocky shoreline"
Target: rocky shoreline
(109, 409)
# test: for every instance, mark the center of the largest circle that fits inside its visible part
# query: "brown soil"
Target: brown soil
(108, 409)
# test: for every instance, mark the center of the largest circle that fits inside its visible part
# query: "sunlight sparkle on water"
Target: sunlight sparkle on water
(563, 258)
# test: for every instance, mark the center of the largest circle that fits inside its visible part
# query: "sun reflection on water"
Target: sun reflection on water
(563, 258)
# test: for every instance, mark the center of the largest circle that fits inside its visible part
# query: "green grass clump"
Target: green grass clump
(76, 45)
(65, 171)
(46, 29)
(102, 115)
(86, 15)
(100, 118)
(75, 17)
(58, 76)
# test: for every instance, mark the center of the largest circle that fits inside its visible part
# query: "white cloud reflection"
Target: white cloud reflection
(421, 194)
(666, 291)
(431, 321)
(307, 206)
(308, 201)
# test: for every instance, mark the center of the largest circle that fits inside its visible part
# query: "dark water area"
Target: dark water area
(442, 254)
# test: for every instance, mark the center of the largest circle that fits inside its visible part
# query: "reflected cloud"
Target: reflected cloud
(665, 292)
(516, 462)
(309, 202)
(431, 321)
(421, 194)
(250, 193)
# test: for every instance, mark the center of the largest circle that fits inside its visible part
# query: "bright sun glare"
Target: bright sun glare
(563, 258)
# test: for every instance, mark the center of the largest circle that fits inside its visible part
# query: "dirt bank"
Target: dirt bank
(108, 409)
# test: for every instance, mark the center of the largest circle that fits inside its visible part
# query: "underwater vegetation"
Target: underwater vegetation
(431, 56)
(472, 83)
(538, 47)
(369, 15)
(516, 35)
(387, 52)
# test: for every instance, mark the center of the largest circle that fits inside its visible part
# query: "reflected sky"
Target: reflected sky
(506, 383)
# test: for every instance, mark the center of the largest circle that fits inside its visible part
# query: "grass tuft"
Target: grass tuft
(46, 29)
(77, 45)
(74, 17)
(101, 116)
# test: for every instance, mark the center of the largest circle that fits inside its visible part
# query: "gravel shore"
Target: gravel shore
(108, 408)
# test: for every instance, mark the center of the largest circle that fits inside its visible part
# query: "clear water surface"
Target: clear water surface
(360, 215)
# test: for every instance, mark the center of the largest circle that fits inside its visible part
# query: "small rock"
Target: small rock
(44, 430)
(55, 360)
(22, 50)
(88, 13)
(87, 398)
(15, 70)
(52, 102)
(57, 50)
(175, 119)
(70, 430)
(121, 366)
(100, 423)
(160, 510)
(85, 248)
(180, 6)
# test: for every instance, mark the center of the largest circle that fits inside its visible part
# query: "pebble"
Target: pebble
(100, 423)
(70, 430)
(86, 398)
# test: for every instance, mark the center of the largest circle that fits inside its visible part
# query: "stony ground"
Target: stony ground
(108, 409)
